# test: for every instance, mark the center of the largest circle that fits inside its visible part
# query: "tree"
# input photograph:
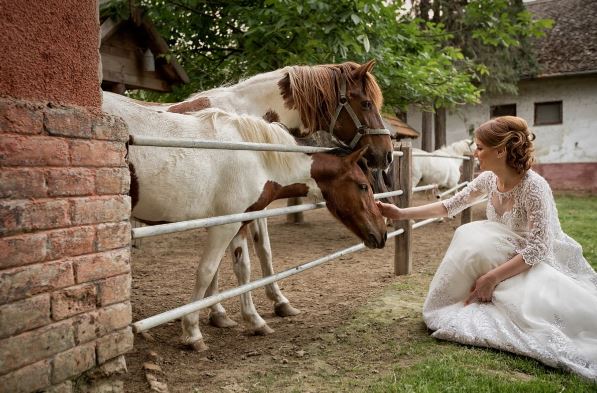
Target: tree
(221, 41)
(495, 35)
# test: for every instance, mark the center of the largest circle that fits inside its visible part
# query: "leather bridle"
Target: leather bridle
(361, 128)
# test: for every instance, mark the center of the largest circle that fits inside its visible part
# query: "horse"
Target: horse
(342, 100)
(175, 184)
(445, 172)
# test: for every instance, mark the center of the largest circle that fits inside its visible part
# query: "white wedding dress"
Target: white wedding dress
(548, 312)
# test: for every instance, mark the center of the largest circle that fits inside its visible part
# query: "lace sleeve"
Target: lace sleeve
(537, 204)
(473, 192)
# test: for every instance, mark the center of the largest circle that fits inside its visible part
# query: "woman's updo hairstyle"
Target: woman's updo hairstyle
(512, 133)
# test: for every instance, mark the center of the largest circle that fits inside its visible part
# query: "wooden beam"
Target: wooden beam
(403, 242)
(468, 169)
(108, 28)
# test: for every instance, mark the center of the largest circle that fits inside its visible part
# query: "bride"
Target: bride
(514, 282)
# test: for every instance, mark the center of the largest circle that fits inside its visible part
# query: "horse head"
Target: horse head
(344, 182)
(344, 100)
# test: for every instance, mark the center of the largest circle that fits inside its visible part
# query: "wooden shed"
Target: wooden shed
(133, 56)
(399, 128)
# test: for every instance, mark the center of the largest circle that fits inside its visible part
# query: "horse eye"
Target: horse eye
(363, 186)
(366, 105)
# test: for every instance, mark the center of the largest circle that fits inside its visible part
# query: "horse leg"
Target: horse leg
(242, 268)
(217, 313)
(282, 306)
(217, 240)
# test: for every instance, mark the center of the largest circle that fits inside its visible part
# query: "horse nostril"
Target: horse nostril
(389, 158)
(385, 236)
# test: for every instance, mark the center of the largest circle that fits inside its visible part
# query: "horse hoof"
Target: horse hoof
(221, 320)
(262, 331)
(285, 310)
(199, 346)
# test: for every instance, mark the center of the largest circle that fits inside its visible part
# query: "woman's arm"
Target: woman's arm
(483, 288)
(393, 212)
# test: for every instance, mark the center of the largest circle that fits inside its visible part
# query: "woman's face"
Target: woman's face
(487, 156)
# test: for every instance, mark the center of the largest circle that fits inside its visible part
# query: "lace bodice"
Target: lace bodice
(529, 210)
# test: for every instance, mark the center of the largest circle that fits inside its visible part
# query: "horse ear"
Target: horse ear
(363, 69)
(356, 155)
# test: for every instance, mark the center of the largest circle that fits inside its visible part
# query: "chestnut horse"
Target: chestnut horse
(175, 184)
(341, 99)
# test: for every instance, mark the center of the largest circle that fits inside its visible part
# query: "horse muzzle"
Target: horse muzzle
(376, 240)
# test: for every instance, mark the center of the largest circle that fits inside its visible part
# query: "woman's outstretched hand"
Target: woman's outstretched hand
(482, 289)
(390, 211)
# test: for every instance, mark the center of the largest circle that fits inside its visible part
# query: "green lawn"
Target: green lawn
(578, 216)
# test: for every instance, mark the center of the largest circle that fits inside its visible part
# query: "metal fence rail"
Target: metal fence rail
(188, 225)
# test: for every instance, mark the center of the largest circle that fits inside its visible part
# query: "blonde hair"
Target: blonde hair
(513, 134)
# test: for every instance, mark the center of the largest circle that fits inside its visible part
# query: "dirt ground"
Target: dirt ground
(316, 351)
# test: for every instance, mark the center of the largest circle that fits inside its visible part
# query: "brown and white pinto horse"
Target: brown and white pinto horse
(180, 184)
(342, 99)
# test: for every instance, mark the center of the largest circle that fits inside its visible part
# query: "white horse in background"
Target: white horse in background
(445, 172)
(177, 184)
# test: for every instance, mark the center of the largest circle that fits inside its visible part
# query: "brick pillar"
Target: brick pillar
(64, 246)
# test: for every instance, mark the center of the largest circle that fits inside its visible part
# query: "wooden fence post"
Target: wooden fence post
(403, 242)
(295, 218)
(468, 168)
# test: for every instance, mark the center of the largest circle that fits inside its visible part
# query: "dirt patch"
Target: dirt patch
(355, 314)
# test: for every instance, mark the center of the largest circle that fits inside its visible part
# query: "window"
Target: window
(548, 113)
(502, 110)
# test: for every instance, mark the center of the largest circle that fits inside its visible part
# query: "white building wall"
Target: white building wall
(575, 140)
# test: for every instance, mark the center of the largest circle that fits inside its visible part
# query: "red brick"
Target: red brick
(24, 215)
(102, 265)
(97, 153)
(109, 369)
(20, 117)
(22, 250)
(73, 300)
(71, 122)
(70, 242)
(112, 181)
(111, 128)
(70, 181)
(115, 289)
(114, 344)
(33, 151)
(86, 327)
(73, 362)
(22, 282)
(98, 210)
(110, 236)
(25, 315)
(28, 379)
(30, 347)
(18, 183)
(112, 318)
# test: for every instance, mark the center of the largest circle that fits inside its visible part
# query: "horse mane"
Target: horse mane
(253, 129)
(312, 90)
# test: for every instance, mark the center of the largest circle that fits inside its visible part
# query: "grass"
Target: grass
(578, 216)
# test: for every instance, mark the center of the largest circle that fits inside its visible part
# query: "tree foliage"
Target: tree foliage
(221, 41)
(496, 35)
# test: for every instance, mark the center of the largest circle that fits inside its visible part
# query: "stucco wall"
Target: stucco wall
(573, 141)
(50, 51)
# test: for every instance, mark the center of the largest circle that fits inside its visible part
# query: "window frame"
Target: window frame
(561, 113)
(492, 108)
